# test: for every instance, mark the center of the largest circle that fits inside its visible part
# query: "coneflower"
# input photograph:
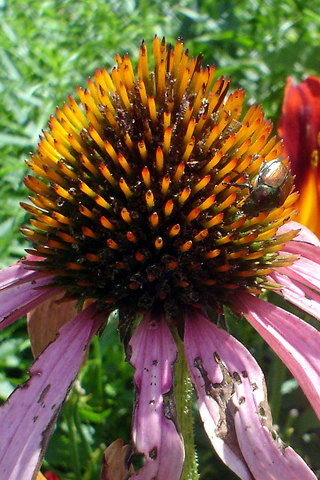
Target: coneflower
(157, 197)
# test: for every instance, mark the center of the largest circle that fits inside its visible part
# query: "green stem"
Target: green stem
(74, 452)
(278, 377)
(98, 365)
(78, 425)
(183, 396)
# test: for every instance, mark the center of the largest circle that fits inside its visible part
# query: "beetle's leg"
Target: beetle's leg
(247, 184)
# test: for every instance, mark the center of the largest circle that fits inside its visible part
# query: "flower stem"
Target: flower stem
(183, 395)
(74, 452)
(278, 377)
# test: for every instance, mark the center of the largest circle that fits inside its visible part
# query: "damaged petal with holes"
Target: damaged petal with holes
(155, 196)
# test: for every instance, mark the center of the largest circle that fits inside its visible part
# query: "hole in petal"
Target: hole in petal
(138, 461)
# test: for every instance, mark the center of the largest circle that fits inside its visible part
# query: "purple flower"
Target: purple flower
(156, 198)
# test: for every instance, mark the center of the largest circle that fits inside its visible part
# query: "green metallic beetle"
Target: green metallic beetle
(271, 188)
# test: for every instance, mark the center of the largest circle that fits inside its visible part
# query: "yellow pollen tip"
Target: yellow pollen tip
(146, 177)
(143, 150)
(152, 109)
(212, 254)
(167, 140)
(168, 208)
(184, 195)
(188, 150)
(154, 219)
(106, 223)
(63, 193)
(124, 187)
(193, 215)
(149, 199)
(165, 184)
(158, 243)
(175, 230)
(124, 164)
(111, 151)
(186, 246)
(102, 202)
(179, 172)
(67, 238)
(126, 215)
(203, 183)
(107, 174)
(201, 235)
(131, 237)
(159, 159)
(88, 232)
(112, 244)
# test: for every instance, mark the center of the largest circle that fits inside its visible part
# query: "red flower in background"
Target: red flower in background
(299, 127)
(47, 476)
(51, 476)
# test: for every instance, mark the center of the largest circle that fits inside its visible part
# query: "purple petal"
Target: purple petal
(233, 404)
(304, 271)
(17, 300)
(15, 273)
(299, 295)
(21, 290)
(295, 342)
(304, 235)
(155, 432)
(28, 416)
(214, 386)
(306, 245)
(305, 250)
(19, 273)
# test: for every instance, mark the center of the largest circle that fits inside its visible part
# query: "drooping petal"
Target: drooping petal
(18, 273)
(305, 271)
(21, 290)
(299, 295)
(155, 431)
(295, 342)
(304, 233)
(305, 250)
(305, 243)
(46, 319)
(215, 388)
(20, 299)
(301, 279)
(28, 416)
(233, 404)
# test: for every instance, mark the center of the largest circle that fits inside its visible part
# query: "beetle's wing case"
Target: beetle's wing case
(275, 174)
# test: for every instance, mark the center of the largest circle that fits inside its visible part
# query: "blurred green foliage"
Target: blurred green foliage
(47, 47)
